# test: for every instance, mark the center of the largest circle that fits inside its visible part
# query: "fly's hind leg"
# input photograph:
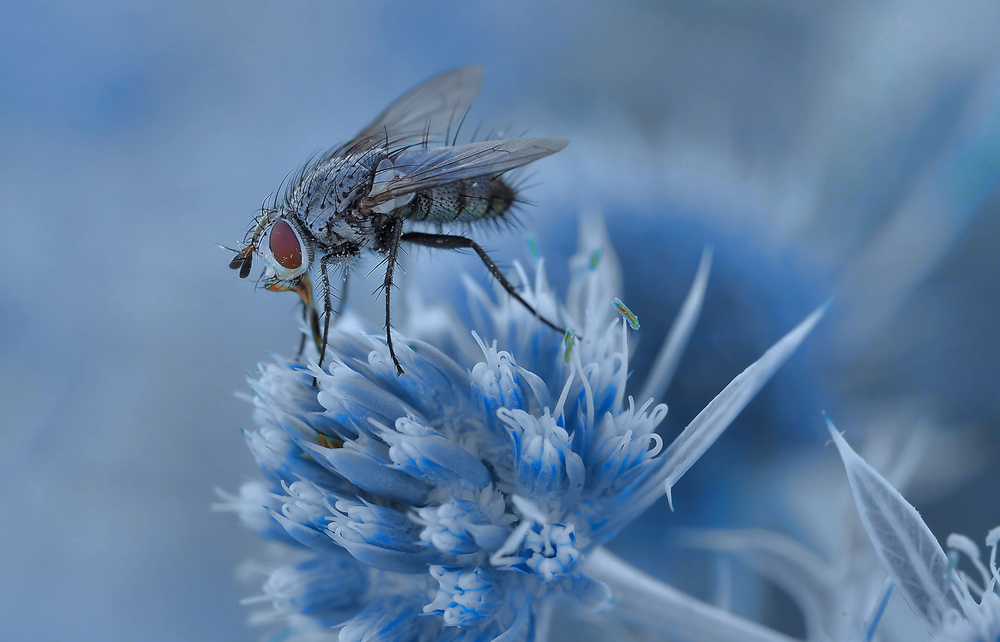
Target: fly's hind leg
(456, 242)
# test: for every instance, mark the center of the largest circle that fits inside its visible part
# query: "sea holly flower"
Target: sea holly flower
(939, 595)
(466, 498)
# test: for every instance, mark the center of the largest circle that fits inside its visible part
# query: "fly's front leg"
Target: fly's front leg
(324, 267)
(392, 247)
(456, 242)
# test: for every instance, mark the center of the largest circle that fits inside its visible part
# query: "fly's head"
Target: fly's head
(282, 245)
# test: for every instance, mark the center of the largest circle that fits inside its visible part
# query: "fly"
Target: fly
(367, 192)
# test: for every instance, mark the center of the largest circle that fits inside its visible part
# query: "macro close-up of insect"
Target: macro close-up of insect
(364, 193)
(722, 369)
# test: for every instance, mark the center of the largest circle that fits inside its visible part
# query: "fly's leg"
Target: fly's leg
(392, 246)
(324, 268)
(328, 308)
(456, 242)
(324, 263)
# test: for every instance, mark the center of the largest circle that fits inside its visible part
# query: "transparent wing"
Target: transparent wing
(426, 111)
(419, 169)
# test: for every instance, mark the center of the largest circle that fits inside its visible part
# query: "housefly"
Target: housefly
(368, 192)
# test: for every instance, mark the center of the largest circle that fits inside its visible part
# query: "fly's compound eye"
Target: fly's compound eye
(285, 246)
(283, 250)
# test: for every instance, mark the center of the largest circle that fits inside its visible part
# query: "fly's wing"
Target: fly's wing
(420, 169)
(426, 111)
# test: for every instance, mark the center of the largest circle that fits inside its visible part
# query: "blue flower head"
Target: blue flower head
(462, 500)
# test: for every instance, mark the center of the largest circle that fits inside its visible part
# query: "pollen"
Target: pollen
(570, 341)
(628, 314)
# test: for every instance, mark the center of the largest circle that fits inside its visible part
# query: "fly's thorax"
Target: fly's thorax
(465, 201)
(344, 229)
(329, 188)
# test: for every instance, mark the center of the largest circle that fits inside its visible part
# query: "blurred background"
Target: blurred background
(847, 150)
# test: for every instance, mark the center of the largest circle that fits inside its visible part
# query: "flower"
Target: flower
(468, 497)
(939, 595)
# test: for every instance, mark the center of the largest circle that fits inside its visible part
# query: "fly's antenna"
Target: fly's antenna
(258, 223)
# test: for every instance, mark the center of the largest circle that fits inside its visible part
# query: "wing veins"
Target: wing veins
(442, 165)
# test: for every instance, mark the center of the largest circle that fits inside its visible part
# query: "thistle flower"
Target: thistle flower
(939, 595)
(465, 499)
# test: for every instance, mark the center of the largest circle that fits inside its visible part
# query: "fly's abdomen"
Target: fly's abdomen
(469, 200)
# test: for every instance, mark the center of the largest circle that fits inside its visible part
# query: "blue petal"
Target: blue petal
(373, 476)
(381, 537)
(384, 558)
(305, 534)
(437, 461)
(352, 400)
(327, 584)
(390, 619)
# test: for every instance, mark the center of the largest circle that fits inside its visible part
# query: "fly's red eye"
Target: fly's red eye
(285, 246)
